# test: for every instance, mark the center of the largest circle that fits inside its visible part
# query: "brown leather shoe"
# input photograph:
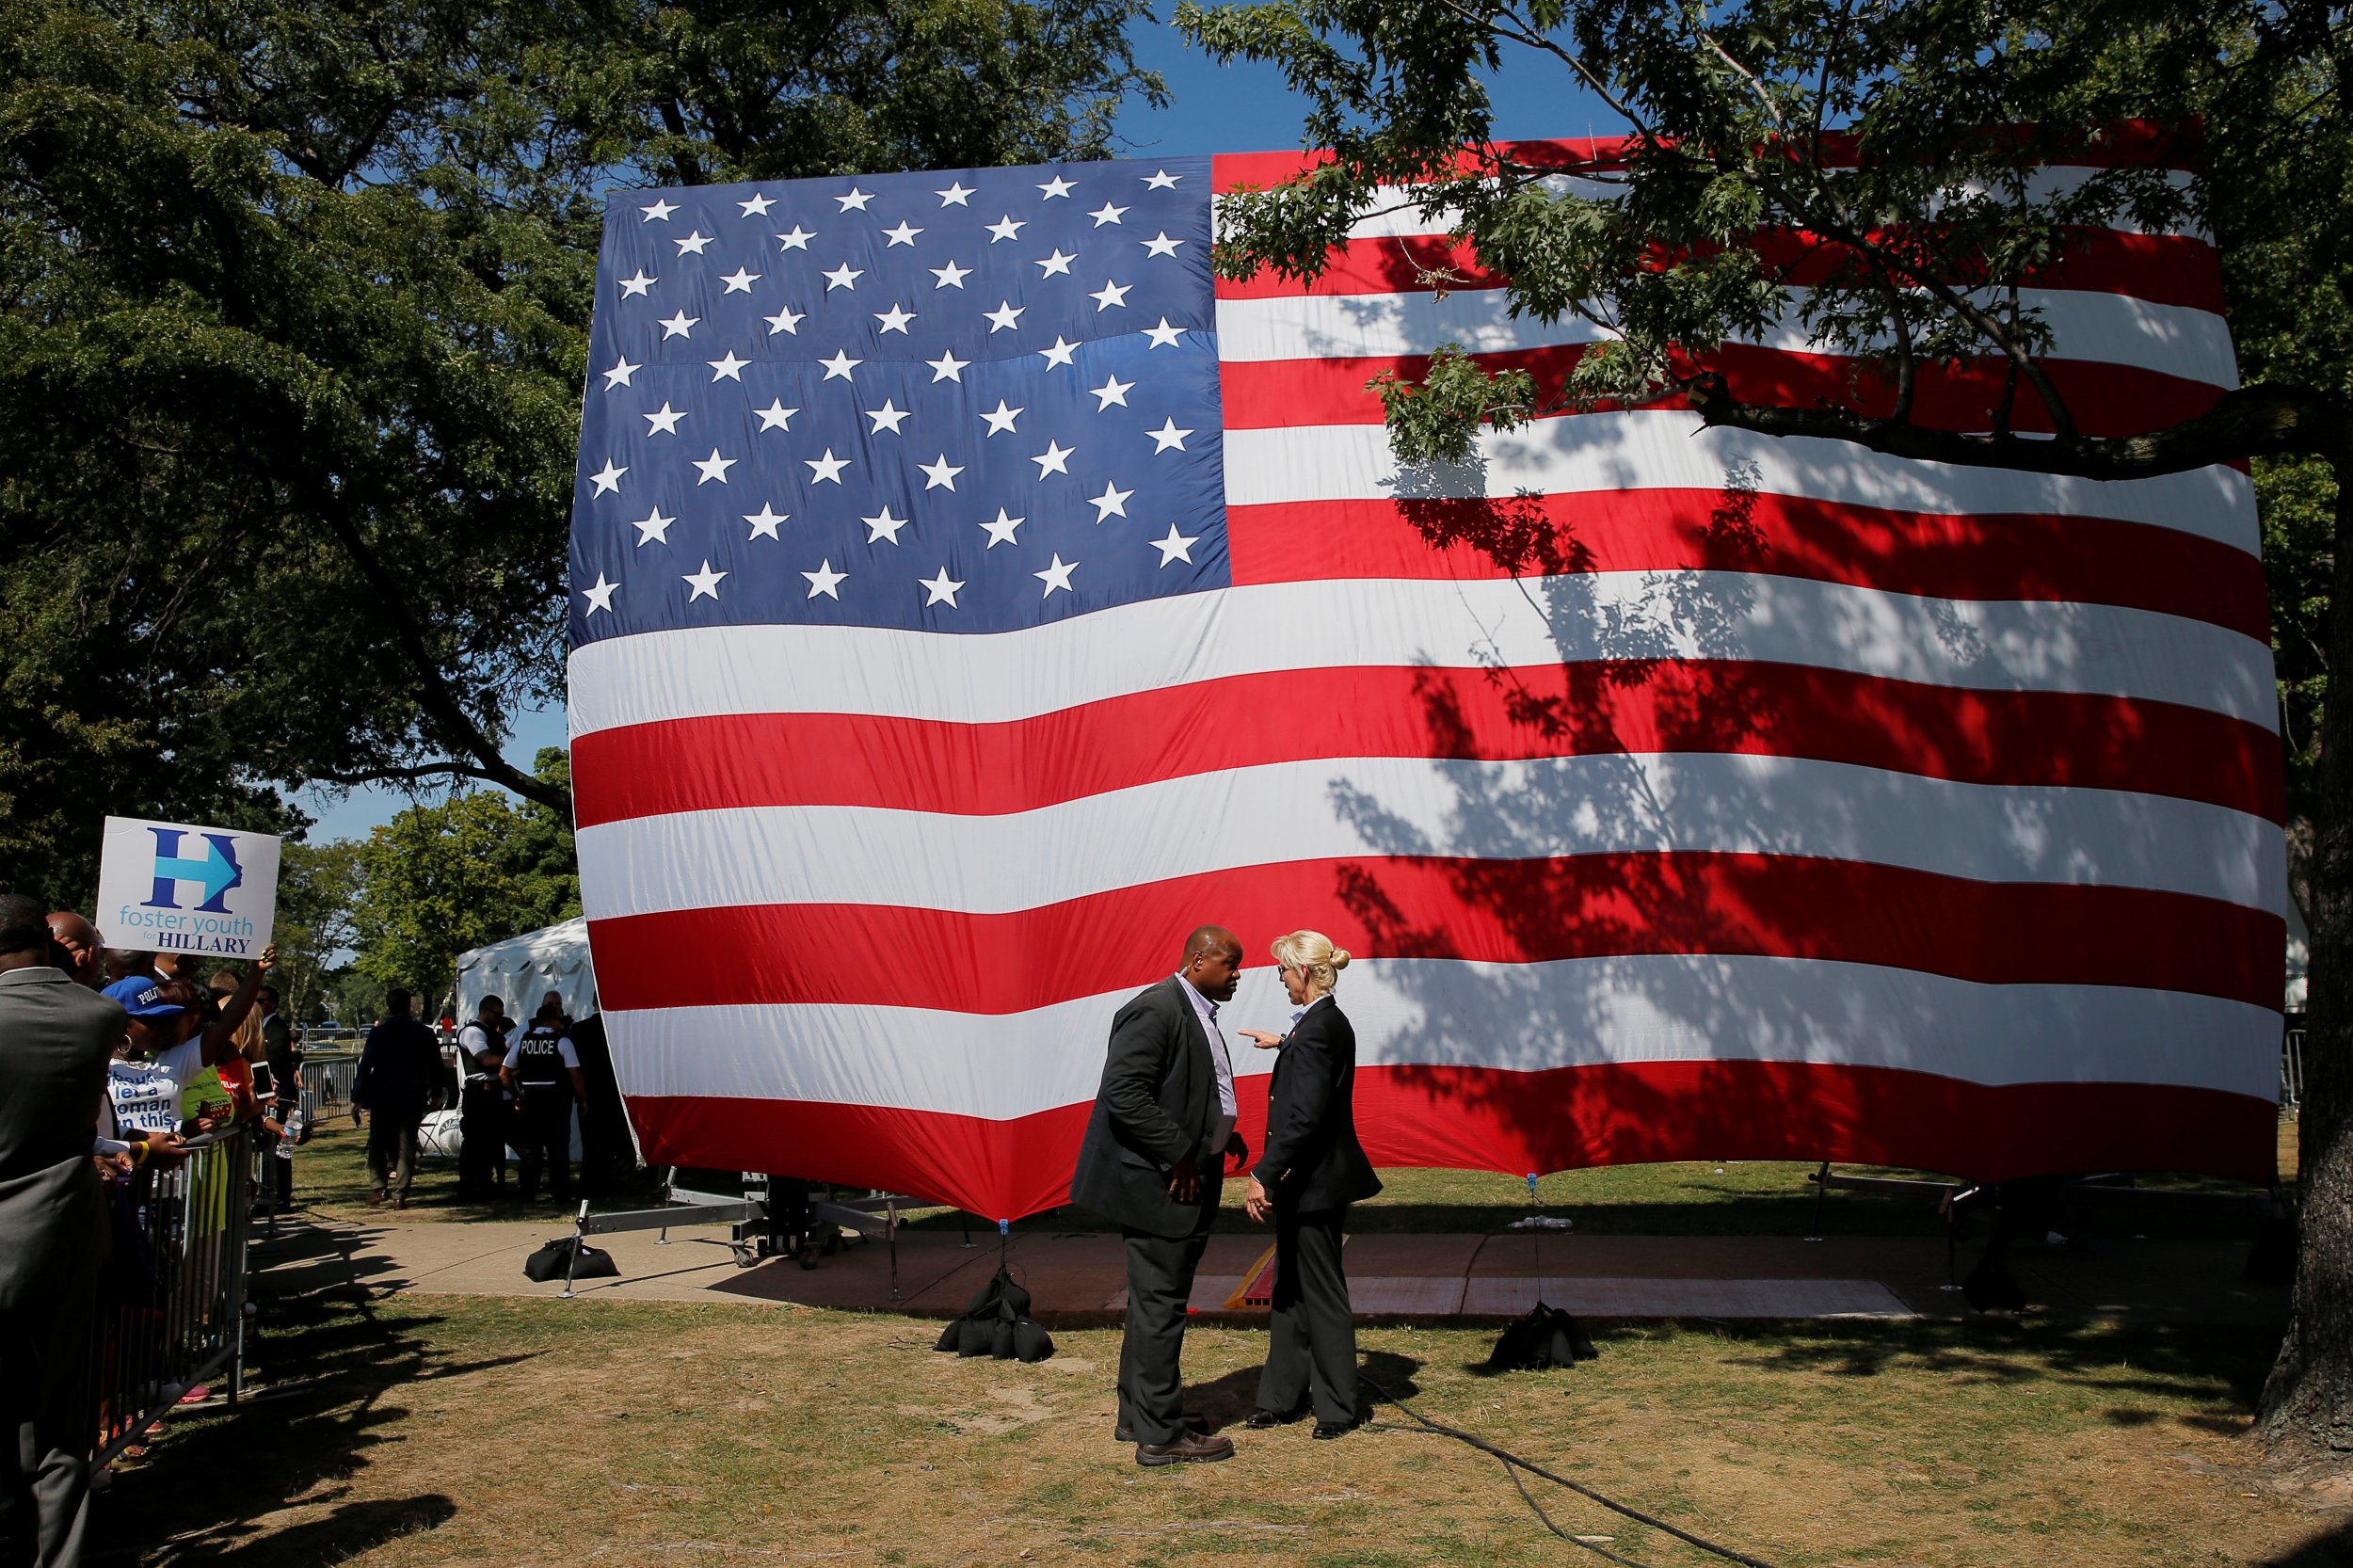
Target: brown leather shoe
(1192, 1447)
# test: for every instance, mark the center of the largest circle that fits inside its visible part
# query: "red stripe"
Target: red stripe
(1960, 556)
(1484, 911)
(1567, 1118)
(741, 761)
(2139, 144)
(2163, 269)
(2106, 399)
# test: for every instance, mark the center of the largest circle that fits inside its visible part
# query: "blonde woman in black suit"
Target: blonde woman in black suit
(1311, 1170)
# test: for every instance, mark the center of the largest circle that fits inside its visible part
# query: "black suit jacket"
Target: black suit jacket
(55, 1041)
(1158, 1102)
(1312, 1160)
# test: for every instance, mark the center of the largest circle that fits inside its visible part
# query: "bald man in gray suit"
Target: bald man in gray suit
(56, 1038)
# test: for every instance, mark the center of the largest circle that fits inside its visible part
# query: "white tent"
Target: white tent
(522, 969)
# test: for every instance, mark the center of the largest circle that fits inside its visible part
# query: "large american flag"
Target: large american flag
(971, 596)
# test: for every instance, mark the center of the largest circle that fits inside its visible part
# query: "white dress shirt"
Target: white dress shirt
(1229, 1110)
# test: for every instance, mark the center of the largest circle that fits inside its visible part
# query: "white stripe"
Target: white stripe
(2108, 329)
(1531, 1017)
(1391, 211)
(1670, 449)
(2000, 645)
(1374, 806)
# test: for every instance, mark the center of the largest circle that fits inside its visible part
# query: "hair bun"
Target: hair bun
(1339, 958)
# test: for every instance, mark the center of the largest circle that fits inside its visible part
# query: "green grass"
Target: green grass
(399, 1434)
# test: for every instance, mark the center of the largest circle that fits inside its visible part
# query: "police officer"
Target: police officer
(543, 1067)
(482, 1125)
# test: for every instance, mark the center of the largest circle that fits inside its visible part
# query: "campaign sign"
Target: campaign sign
(175, 887)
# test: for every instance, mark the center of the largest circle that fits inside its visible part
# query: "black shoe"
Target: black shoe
(1327, 1431)
(1267, 1420)
(1192, 1447)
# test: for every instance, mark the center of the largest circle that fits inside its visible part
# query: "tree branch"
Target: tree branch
(2249, 421)
(432, 693)
(424, 769)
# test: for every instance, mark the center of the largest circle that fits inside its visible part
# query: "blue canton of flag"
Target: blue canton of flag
(968, 400)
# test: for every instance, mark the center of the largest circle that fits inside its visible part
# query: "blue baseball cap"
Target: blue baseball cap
(142, 997)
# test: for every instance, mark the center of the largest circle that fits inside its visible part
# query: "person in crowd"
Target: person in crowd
(555, 999)
(219, 1093)
(122, 964)
(543, 1068)
(52, 1228)
(282, 1055)
(1310, 1170)
(79, 941)
(481, 1105)
(169, 1048)
(170, 965)
(1153, 1158)
(399, 1079)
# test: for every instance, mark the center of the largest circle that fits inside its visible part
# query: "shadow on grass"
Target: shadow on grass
(324, 1368)
(2333, 1550)
(2223, 1364)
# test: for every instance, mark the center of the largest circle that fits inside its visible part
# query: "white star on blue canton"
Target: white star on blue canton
(1177, 547)
(600, 595)
(941, 589)
(1057, 576)
(705, 583)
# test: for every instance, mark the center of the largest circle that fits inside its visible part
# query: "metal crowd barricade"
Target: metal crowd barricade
(330, 1078)
(171, 1302)
(2292, 1068)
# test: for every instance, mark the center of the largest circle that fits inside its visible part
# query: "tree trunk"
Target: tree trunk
(2306, 1414)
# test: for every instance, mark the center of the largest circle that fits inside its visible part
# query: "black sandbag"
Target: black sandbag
(1001, 1339)
(951, 1337)
(1030, 1342)
(1991, 1287)
(553, 1260)
(1547, 1336)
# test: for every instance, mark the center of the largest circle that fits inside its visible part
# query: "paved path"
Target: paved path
(1077, 1277)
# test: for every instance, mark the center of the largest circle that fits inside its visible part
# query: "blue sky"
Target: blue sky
(1241, 108)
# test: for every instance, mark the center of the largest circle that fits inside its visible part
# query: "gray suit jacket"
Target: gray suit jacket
(1158, 1100)
(55, 1042)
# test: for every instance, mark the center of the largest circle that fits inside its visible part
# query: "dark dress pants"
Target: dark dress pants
(1151, 1381)
(481, 1141)
(46, 1422)
(1312, 1332)
(547, 1129)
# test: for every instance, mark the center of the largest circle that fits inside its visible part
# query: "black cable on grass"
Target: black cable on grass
(1546, 1519)
(1513, 1463)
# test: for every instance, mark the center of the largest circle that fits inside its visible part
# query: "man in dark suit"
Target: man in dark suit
(1311, 1170)
(56, 1038)
(1154, 1160)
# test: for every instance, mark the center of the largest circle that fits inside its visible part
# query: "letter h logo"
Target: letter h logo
(217, 872)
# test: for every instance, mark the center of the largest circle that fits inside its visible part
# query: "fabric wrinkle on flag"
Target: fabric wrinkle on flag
(971, 594)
